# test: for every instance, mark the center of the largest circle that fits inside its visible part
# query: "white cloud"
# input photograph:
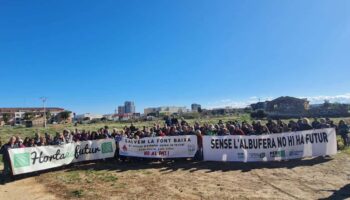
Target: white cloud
(343, 98)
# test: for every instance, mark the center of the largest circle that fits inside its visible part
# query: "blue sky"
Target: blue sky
(91, 56)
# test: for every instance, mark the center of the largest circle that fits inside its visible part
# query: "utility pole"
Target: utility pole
(43, 99)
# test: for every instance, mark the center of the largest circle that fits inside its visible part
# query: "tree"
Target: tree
(65, 114)
(258, 114)
(326, 104)
(6, 117)
(28, 116)
(48, 115)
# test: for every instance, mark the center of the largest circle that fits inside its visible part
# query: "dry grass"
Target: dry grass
(305, 179)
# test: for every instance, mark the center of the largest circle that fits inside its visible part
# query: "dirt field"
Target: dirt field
(296, 179)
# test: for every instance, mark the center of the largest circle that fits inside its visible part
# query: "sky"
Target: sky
(91, 56)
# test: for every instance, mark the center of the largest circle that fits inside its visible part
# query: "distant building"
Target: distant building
(16, 115)
(37, 121)
(129, 107)
(284, 106)
(121, 110)
(288, 105)
(108, 116)
(35, 110)
(167, 110)
(19, 116)
(196, 107)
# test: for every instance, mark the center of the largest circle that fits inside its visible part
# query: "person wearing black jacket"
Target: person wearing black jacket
(343, 130)
(305, 125)
(6, 156)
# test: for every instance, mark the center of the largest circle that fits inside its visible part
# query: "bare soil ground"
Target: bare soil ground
(315, 178)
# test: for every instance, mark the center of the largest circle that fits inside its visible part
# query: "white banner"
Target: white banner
(159, 147)
(283, 146)
(30, 159)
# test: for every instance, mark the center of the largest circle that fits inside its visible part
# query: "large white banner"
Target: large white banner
(159, 147)
(283, 146)
(25, 160)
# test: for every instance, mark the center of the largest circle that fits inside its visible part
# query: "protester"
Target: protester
(304, 124)
(6, 156)
(172, 127)
(343, 130)
(199, 153)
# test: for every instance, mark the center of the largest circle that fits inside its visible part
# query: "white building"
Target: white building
(88, 116)
(19, 117)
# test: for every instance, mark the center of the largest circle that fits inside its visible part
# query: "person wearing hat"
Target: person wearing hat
(323, 124)
(305, 124)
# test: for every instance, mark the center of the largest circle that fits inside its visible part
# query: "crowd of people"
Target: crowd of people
(174, 127)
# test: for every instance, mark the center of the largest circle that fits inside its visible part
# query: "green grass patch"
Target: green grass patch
(69, 177)
(7, 131)
(346, 150)
(108, 178)
(103, 175)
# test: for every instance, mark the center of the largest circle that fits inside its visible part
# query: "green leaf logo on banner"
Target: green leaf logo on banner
(21, 160)
(107, 147)
(283, 153)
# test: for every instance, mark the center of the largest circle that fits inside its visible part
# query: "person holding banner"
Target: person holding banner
(6, 157)
(59, 139)
(199, 153)
(343, 130)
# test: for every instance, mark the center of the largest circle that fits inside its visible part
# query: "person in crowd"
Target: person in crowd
(6, 156)
(68, 136)
(37, 138)
(167, 121)
(260, 129)
(323, 124)
(343, 130)
(199, 153)
(105, 133)
(32, 143)
(26, 141)
(19, 143)
(247, 128)
(333, 125)
(304, 124)
(293, 126)
(59, 139)
(174, 128)
(174, 121)
(235, 130)
(315, 123)
(42, 142)
(211, 130)
(132, 127)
